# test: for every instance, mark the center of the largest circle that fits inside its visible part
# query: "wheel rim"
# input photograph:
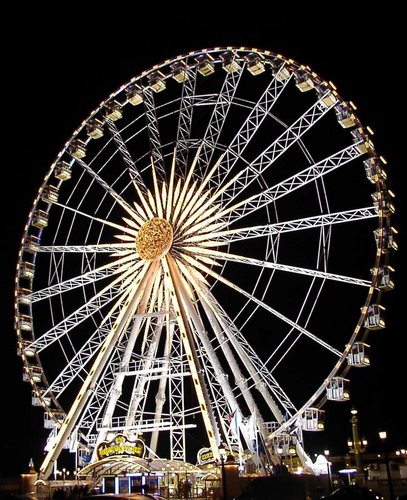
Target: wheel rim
(214, 157)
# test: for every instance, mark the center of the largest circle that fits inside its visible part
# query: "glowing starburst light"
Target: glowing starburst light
(154, 239)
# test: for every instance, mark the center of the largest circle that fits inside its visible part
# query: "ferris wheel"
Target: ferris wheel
(204, 261)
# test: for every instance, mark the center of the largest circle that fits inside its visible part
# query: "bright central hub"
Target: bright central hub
(154, 239)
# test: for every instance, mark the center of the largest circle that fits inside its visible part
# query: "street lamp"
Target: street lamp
(357, 446)
(147, 486)
(65, 474)
(222, 453)
(383, 437)
(328, 465)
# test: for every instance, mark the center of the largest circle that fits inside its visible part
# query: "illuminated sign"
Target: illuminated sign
(205, 456)
(120, 446)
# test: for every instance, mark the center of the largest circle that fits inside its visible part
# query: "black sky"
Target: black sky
(56, 71)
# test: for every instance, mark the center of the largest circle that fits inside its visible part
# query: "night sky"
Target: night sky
(61, 69)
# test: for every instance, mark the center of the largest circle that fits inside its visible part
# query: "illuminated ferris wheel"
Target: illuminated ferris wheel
(204, 261)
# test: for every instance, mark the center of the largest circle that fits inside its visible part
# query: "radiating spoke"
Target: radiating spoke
(77, 364)
(101, 248)
(218, 118)
(185, 118)
(95, 304)
(258, 113)
(265, 159)
(100, 362)
(125, 154)
(100, 273)
(153, 132)
(317, 221)
(107, 187)
(267, 196)
(274, 265)
(105, 222)
(268, 308)
(250, 359)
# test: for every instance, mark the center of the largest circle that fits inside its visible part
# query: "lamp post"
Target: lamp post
(147, 488)
(383, 437)
(328, 465)
(168, 481)
(357, 446)
(222, 453)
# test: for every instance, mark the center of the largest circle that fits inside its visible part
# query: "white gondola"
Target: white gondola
(303, 80)
(345, 116)
(374, 169)
(385, 239)
(32, 373)
(24, 296)
(326, 94)
(179, 71)
(49, 422)
(313, 419)
(359, 355)
(382, 201)
(205, 65)
(53, 421)
(63, 171)
(134, 95)
(229, 62)
(25, 322)
(338, 389)
(50, 194)
(280, 70)
(32, 244)
(25, 349)
(114, 110)
(255, 64)
(26, 270)
(270, 427)
(94, 128)
(156, 81)
(360, 136)
(384, 278)
(40, 219)
(374, 318)
(37, 398)
(284, 444)
(77, 149)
